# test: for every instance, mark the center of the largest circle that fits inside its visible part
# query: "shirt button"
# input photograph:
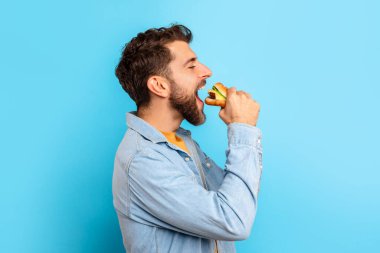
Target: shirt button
(187, 159)
(259, 141)
(208, 165)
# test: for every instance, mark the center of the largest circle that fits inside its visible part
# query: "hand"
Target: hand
(240, 107)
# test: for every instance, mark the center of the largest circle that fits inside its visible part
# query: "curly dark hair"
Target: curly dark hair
(146, 55)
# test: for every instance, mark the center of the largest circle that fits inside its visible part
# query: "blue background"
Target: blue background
(313, 66)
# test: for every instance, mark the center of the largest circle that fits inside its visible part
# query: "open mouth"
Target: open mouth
(196, 93)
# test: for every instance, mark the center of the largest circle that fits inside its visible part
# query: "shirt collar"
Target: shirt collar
(148, 131)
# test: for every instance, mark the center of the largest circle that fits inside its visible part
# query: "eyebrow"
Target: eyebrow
(190, 60)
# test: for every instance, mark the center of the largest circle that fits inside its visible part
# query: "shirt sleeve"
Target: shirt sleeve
(179, 203)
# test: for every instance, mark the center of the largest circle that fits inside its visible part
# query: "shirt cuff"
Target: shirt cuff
(242, 133)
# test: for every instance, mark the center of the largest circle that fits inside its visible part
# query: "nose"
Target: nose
(204, 71)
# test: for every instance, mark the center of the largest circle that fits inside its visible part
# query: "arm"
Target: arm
(173, 197)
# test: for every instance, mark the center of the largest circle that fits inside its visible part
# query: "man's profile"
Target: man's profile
(168, 194)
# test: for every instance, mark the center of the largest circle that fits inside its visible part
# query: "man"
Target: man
(169, 195)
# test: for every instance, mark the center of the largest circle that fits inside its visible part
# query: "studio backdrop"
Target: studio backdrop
(312, 65)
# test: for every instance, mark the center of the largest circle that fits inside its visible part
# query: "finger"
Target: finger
(248, 95)
(231, 91)
(241, 92)
(215, 102)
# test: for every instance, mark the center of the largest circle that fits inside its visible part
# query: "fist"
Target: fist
(240, 107)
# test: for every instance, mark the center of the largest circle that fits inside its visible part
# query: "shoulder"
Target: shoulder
(136, 149)
(132, 145)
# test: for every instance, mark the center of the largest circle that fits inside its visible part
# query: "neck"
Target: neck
(162, 117)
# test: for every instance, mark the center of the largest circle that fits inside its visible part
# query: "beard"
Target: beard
(186, 104)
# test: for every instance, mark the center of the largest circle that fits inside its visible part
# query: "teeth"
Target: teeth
(201, 88)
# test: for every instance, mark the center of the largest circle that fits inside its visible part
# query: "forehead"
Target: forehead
(181, 51)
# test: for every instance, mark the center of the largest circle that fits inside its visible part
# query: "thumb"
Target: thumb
(222, 113)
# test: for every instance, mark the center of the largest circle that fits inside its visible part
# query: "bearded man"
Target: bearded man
(170, 196)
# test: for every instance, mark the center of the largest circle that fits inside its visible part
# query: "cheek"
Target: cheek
(187, 81)
(189, 87)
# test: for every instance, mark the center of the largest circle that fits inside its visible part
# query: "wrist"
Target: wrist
(237, 120)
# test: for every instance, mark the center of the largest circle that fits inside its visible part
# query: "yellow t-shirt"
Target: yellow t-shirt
(176, 140)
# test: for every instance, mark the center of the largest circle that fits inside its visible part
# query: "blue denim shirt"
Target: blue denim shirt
(168, 200)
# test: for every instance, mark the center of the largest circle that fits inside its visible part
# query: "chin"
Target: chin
(201, 120)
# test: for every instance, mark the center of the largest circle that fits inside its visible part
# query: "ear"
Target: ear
(159, 86)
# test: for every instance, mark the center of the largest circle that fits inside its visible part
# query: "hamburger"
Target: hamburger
(217, 95)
